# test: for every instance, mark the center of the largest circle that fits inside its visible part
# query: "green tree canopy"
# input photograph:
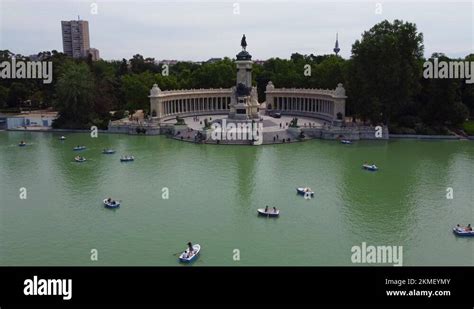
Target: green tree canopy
(75, 95)
(385, 70)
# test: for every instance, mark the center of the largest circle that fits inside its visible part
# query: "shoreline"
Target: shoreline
(391, 136)
(431, 137)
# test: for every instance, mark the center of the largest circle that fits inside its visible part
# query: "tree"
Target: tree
(468, 91)
(37, 98)
(137, 64)
(123, 69)
(3, 96)
(17, 94)
(468, 97)
(385, 70)
(75, 95)
(328, 73)
(440, 100)
(136, 88)
(220, 74)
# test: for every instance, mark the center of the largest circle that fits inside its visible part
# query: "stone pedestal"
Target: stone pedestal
(337, 123)
(244, 100)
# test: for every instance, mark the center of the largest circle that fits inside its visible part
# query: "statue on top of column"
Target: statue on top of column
(243, 42)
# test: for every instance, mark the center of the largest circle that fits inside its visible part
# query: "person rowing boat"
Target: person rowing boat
(190, 254)
(111, 201)
(190, 251)
(467, 228)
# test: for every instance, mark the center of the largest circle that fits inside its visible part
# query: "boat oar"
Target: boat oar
(177, 253)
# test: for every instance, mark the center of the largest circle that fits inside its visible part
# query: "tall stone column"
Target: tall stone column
(339, 101)
(269, 98)
(156, 108)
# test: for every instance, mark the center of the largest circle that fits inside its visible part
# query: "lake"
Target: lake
(214, 192)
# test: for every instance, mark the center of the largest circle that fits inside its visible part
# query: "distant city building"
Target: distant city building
(76, 42)
(8, 53)
(35, 120)
(41, 56)
(150, 61)
(168, 62)
(35, 57)
(94, 52)
(213, 60)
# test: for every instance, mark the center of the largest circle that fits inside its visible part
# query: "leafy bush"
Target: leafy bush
(433, 130)
(102, 122)
(401, 130)
(120, 114)
(408, 121)
(458, 114)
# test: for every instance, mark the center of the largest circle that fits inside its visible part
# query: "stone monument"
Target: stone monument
(244, 100)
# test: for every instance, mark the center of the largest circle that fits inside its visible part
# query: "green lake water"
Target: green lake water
(214, 192)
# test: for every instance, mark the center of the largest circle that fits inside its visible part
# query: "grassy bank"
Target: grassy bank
(468, 127)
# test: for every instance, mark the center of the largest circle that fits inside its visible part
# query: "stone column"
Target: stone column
(155, 102)
(269, 95)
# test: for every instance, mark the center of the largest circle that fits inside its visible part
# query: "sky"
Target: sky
(198, 30)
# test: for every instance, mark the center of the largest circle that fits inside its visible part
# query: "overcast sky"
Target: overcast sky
(199, 30)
